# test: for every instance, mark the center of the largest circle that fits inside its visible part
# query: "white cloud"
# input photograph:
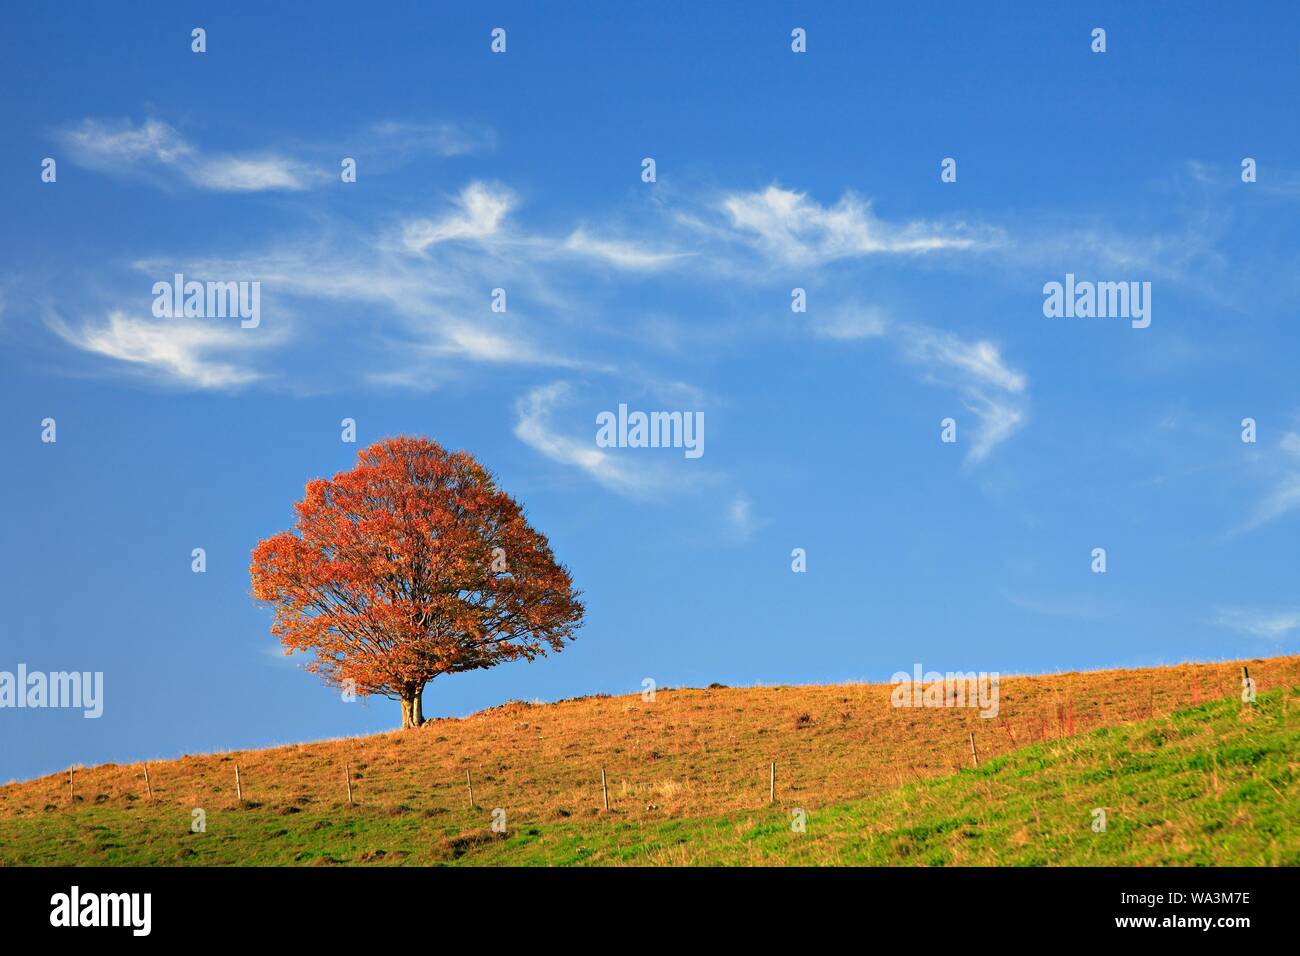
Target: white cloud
(998, 422)
(1058, 607)
(122, 146)
(414, 297)
(534, 429)
(240, 174)
(794, 229)
(177, 350)
(1274, 625)
(618, 252)
(1284, 495)
(849, 323)
(432, 308)
(474, 342)
(481, 210)
(391, 140)
(989, 388)
(100, 143)
(1282, 499)
(740, 514)
(977, 362)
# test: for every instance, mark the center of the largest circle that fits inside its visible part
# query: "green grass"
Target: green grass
(1210, 785)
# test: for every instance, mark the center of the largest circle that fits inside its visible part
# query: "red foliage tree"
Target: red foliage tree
(411, 565)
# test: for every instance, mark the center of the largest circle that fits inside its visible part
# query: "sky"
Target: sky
(773, 170)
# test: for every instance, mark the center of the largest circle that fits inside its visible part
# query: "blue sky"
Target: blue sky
(774, 170)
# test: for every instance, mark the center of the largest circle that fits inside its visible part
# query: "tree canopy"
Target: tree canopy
(410, 565)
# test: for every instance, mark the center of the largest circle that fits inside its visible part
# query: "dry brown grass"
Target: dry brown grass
(688, 753)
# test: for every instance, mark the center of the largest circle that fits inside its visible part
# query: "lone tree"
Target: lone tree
(411, 565)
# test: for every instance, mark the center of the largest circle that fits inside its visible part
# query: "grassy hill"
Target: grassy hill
(1185, 773)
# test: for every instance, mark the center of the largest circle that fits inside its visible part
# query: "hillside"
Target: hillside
(1208, 785)
(1185, 772)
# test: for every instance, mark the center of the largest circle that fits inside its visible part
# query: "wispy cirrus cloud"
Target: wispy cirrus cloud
(424, 282)
(154, 147)
(621, 253)
(850, 322)
(535, 428)
(99, 143)
(1283, 494)
(1273, 625)
(186, 352)
(253, 174)
(424, 279)
(990, 389)
(740, 517)
(979, 363)
(1086, 609)
(793, 229)
(388, 143)
(428, 312)
(480, 210)
(636, 473)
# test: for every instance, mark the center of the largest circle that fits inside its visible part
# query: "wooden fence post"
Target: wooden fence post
(239, 787)
(469, 782)
(347, 777)
(72, 793)
(771, 789)
(604, 787)
(973, 755)
(148, 786)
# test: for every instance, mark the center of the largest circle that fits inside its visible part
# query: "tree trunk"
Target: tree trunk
(412, 707)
